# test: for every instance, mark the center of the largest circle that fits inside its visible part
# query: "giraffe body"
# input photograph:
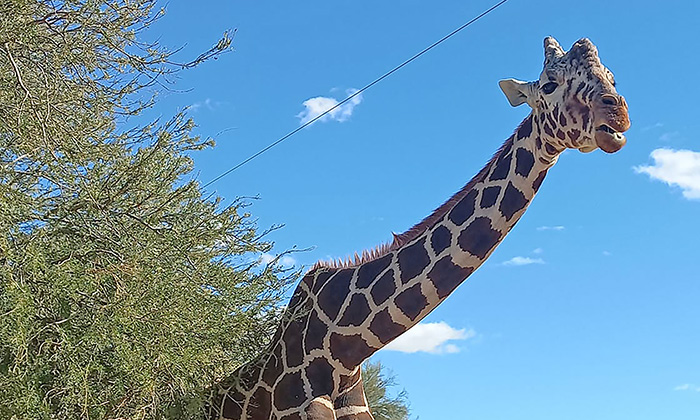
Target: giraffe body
(340, 314)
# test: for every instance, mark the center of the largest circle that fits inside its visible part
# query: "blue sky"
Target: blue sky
(589, 309)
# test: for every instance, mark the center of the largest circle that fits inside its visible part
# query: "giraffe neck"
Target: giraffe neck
(340, 315)
(371, 303)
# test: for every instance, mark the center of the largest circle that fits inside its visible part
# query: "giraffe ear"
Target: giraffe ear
(516, 91)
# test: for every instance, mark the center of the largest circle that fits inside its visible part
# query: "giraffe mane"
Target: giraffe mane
(402, 239)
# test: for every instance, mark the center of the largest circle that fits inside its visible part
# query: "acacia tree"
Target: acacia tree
(377, 382)
(124, 290)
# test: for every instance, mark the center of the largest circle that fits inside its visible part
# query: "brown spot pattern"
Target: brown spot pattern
(334, 292)
(320, 375)
(411, 301)
(384, 327)
(513, 201)
(315, 332)
(464, 209)
(356, 312)
(383, 288)
(489, 196)
(479, 238)
(524, 161)
(446, 276)
(440, 239)
(289, 392)
(368, 272)
(412, 260)
(349, 350)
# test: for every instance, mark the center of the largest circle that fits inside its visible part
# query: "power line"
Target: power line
(359, 92)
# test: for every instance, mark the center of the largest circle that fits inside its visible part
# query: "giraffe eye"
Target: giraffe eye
(549, 87)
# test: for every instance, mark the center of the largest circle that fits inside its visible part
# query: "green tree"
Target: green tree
(376, 382)
(125, 291)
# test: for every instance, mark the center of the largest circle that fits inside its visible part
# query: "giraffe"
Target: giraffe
(343, 312)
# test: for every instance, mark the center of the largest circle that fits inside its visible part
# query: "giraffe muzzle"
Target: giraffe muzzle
(609, 140)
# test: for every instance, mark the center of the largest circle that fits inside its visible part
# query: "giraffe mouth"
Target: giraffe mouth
(608, 139)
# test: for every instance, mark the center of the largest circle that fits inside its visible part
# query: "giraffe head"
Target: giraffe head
(574, 102)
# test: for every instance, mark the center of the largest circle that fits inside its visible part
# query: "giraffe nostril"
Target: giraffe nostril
(610, 100)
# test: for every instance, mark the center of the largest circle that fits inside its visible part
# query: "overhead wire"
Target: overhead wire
(355, 93)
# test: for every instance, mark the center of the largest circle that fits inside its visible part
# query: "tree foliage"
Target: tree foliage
(377, 382)
(125, 291)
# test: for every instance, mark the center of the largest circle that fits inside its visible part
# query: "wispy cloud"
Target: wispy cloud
(431, 337)
(687, 387)
(523, 261)
(557, 228)
(680, 168)
(316, 106)
(537, 251)
(667, 137)
(208, 104)
(653, 126)
(607, 253)
(284, 260)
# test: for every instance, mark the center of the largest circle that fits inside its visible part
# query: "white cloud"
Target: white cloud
(557, 228)
(687, 387)
(679, 168)
(208, 104)
(430, 337)
(320, 104)
(285, 260)
(607, 253)
(537, 251)
(523, 261)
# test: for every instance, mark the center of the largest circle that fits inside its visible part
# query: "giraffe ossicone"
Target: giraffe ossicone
(340, 314)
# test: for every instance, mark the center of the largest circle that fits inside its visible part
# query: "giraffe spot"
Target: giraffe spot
(315, 333)
(334, 292)
(513, 201)
(548, 130)
(524, 161)
(574, 134)
(318, 410)
(233, 405)
(350, 350)
(320, 375)
(538, 142)
(383, 288)
(320, 279)
(356, 311)
(384, 327)
(293, 416)
(489, 196)
(502, 166)
(561, 135)
(562, 119)
(411, 301)
(525, 128)
(440, 239)
(478, 238)
(550, 149)
(538, 181)
(289, 392)
(464, 209)
(412, 260)
(446, 276)
(260, 405)
(292, 339)
(369, 271)
(274, 367)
